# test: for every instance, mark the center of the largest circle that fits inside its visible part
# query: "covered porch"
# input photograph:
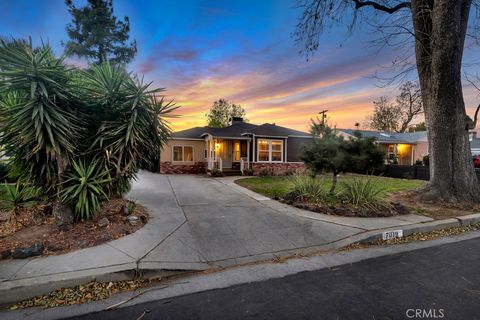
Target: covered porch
(400, 153)
(227, 154)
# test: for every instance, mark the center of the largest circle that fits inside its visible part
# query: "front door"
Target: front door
(226, 154)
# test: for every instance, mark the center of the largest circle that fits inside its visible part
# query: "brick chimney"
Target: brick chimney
(235, 120)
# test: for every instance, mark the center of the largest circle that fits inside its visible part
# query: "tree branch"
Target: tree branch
(475, 117)
(380, 7)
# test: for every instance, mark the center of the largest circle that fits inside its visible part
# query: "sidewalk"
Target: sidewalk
(197, 223)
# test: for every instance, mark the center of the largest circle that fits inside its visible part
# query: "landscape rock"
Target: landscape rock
(63, 215)
(34, 250)
(105, 237)
(53, 247)
(133, 220)
(4, 216)
(5, 254)
(83, 243)
(124, 210)
(103, 222)
(400, 209)
(342, 211)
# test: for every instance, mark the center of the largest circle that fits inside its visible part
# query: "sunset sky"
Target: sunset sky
(242, 51)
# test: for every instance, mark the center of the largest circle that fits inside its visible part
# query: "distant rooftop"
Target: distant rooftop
(390, 137)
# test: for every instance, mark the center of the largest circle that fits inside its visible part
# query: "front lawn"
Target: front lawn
(278, 186)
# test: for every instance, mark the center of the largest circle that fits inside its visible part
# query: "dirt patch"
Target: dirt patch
(35, 227)
(394, 209)
(434, 210)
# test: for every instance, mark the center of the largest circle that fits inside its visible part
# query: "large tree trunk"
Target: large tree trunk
(440, 27)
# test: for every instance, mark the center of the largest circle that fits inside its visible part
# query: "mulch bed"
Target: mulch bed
(347, 211)
(36, 229)
(435, 210)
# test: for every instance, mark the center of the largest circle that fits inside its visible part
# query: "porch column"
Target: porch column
(248, 153)
(208, 151)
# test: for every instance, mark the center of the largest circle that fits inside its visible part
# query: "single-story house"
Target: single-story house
(237, 147)
(406, 147)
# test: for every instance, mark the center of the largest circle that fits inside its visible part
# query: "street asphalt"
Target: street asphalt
(440, 282)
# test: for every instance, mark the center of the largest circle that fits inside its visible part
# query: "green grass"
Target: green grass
(278, 186)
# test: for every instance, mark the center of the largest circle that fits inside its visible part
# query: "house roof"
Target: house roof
(273, 130)
(390, 137)
(238, 130)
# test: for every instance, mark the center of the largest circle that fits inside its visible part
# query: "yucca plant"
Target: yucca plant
(57, 121)
(307, 188)
(133, 129)
(16, 195)
(84, 188)
(39, 125)
(366, 193)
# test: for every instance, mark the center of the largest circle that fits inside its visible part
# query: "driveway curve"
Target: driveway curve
(221, 225)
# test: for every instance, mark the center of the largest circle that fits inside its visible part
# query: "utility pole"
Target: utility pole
(324, 116)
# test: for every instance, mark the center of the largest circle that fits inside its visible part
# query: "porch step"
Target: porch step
(231, 172)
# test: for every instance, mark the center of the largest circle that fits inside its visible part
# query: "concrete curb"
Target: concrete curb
(18, 290)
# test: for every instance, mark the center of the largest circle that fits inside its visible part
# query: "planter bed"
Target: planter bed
(36, 233)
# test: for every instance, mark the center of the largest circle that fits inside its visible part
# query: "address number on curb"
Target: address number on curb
(387, 235)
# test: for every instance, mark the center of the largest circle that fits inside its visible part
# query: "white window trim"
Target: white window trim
(270, 150)
(183, 153)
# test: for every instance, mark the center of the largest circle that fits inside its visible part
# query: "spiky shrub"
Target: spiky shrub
(308, 189)
(39, 122)
(84, 188)
(364, 193)
(18, 194)
(131, 129)
(52, 115)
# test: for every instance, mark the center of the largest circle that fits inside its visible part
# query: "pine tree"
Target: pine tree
(96, 34)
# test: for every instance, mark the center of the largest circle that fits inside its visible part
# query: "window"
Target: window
(263, 150)
(183, 153)
(270, 150)
(236, 151)
(277, 150)
(205, 153)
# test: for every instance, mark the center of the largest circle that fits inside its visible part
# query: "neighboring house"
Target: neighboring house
(239, 146)
(405, 147)
(474, 143)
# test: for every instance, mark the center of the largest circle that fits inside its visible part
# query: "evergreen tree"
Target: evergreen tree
(330, 152)
(96, 34)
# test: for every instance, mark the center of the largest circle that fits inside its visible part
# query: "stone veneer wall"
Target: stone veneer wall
(278, 169)
(195, 168)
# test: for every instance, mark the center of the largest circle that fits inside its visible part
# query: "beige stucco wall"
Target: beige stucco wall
(166, 154)
(421, 150)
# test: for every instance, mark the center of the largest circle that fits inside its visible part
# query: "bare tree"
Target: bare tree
(409, 102)
(385, 115)
(438, 29)
(397, 116)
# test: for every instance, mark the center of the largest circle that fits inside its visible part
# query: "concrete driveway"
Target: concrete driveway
(197, 223)
(220, 224)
